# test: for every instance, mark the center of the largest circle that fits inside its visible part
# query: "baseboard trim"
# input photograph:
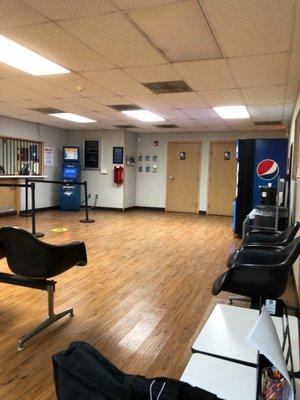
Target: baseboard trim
(41, 209)
(202, 212)
(7, 213)
(107, 208)
(149, 208)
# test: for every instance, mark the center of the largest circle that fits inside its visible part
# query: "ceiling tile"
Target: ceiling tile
(229, 97)
(151, 102)
(52, 42)
(15, 13)
(9, 72)
(264, 70)
(184, 100)
(292, 91)
(113, 36)
(173, 114)
(217, 126)
(203, 114)
(266, 112)
(205, 75)
(111, 100)
(88, 104)
(162, 23)
(19, 91)
(294, 69)
(296, 39)
(117, 81)
(42, 86)
(131, 4)
(241, 124)
(154, 73)
(67, 9)
(251, 27)
(264, 95)
(78, 84)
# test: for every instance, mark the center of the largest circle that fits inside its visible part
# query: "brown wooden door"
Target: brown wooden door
(183, 177)
(222, 178)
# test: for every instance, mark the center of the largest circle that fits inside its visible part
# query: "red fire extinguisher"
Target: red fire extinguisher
(118, 174)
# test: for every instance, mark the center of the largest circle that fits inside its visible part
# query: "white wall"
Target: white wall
(47, 195)
(130, 170)
(110, 194)
(295, 193)
(151, 187)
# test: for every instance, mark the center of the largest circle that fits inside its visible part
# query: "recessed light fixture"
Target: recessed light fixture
(73, 117)
(26, 60)
(232, 112)
(143, 115)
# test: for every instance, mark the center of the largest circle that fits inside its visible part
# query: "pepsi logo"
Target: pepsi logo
(267, 169)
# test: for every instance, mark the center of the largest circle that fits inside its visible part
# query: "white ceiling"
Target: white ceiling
(230, 52)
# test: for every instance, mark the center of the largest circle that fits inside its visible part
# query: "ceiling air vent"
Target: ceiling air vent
(125, 126)
(125, 107)
(259, 123)
(47, 110)
(168, 87)
(167, 126)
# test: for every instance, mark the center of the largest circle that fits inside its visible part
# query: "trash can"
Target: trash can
(264, 217)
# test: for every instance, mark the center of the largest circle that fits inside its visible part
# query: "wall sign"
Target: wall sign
(91, 154)
(48, 155)
(117, 155)
(226, 155)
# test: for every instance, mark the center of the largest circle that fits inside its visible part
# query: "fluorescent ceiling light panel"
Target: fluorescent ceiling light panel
(143, 115)
(232, 112)
(20, 57)
(73, 117)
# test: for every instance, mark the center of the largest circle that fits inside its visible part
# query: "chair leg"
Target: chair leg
(51, 319)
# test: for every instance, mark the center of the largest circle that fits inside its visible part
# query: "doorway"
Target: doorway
(222, 178)
(183, 171)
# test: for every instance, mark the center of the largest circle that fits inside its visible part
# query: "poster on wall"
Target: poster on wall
(91, 154)
(48, 155)
(118, 155)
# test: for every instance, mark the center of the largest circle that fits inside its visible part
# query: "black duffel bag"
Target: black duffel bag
(82, 373)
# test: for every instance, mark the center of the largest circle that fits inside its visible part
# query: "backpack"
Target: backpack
(82, 373)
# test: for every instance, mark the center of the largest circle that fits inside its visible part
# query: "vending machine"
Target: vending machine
(261, 162)
(69, 192)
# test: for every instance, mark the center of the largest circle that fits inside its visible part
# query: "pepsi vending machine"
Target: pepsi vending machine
(261, 162)
(70, 193)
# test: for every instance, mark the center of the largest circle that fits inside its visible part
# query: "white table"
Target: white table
(227, 328)
(226, 379)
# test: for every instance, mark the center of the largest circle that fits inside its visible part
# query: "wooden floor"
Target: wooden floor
(139, 300)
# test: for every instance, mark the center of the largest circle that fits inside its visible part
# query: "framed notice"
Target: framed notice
(118, 155)
(296, 150)
(91, 154)
(49, 155)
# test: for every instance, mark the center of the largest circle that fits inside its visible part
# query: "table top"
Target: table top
(226, 330)
(22, 176)
(228, 380)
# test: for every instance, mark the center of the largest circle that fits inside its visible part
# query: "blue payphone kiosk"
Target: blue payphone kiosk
(70, 194)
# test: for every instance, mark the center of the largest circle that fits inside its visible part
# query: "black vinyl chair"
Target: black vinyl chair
(266, 239)
(259, 273)
(33, 262)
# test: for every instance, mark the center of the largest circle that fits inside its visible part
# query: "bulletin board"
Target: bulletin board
(91, 154)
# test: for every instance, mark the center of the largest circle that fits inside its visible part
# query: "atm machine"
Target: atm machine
(70, 193)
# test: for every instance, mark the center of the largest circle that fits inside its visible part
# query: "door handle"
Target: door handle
(171, 178)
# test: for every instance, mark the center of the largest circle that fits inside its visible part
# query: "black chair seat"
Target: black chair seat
(258, 237)
(259, 272)
(31, 258)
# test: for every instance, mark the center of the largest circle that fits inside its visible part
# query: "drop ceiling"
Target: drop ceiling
(229, 52)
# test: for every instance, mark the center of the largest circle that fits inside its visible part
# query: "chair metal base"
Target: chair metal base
(51, 319)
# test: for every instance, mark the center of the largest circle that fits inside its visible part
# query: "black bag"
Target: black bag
(82, 373)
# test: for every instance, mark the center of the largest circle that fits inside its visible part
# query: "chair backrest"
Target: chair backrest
(29, 257)
(288, 234)
(289, 254)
